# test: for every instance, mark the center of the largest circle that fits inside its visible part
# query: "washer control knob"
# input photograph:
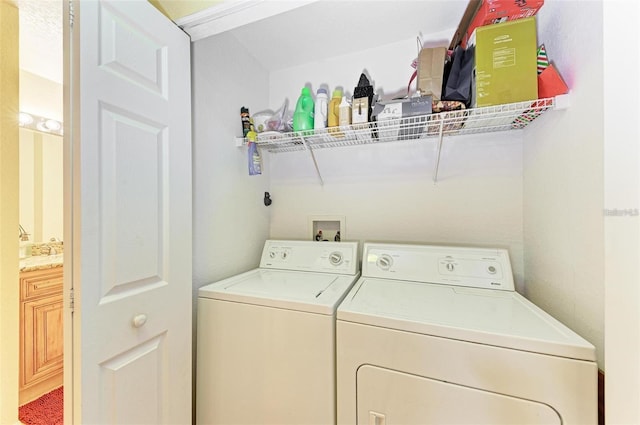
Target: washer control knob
(336, 258)
(384, 262)
(272, 254)
(491, 269)
(284, 255)
(450, 267)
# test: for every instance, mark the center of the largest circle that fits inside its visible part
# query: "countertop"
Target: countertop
(40, 262)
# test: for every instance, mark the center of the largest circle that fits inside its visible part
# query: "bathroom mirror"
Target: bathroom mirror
(41, 185)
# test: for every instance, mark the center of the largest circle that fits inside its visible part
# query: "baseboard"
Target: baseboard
(600, 397)
(37, 390)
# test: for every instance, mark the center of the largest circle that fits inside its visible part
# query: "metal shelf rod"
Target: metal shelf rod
(313, 157)
(435, 171)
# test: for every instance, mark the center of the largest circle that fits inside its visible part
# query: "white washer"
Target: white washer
(266, 338)
(438, 335)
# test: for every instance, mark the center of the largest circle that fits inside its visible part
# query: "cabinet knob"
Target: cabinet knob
(139, 320)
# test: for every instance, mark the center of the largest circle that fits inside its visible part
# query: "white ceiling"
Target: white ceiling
(41, 38)
(319, 30)
(330, 28)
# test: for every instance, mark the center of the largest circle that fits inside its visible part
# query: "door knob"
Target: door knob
(139, 320)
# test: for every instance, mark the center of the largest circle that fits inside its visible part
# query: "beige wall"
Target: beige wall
(40, 96)
(179, 9)
(41, 192)
(9, 83)
(41, 167)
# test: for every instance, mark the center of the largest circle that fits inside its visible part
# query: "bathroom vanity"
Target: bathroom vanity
(41, 330)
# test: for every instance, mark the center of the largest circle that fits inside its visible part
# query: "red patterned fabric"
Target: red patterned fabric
(46, 410)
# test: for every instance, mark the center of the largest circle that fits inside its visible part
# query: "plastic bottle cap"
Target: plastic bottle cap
(322, 91)
(337, 93)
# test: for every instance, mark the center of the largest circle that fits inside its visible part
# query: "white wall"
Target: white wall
(622, 192)
(230, 221)
(386, 192)
(563, 178)
(388, 68)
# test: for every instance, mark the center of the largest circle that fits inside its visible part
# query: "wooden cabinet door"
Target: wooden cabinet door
(41, 333)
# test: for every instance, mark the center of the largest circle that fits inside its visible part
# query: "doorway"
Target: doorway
(41, 212)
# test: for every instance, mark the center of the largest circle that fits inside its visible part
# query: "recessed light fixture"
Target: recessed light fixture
(38, 123)
(52, 125)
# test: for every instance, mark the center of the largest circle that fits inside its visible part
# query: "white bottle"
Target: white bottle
(345, 112)
(321, 106)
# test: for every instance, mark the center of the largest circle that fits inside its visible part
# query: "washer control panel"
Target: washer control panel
(333, 257)
(474, 267)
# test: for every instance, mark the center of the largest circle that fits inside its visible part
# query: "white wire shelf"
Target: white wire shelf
(513, 116)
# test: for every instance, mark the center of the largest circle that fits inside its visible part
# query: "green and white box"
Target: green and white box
(505, 63)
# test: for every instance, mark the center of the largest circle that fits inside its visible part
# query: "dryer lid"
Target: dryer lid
(294, 290)
(486, 316)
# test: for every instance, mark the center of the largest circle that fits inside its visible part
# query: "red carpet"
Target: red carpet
(47, 410)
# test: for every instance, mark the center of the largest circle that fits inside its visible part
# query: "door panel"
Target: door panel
(43, 338)
(131, 52)
(130, 151)
(133, 201)
(141, 368)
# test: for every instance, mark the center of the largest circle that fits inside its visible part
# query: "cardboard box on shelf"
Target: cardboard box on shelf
(505, 68)
(489, 12)
(402, 108)
(386, 114)
(430, 71)
(460, 36)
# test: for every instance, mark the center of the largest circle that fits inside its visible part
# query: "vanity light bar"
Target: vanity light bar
(38, 123)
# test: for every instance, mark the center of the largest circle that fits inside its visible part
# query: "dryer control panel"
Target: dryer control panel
(331, 257)
(463, 266)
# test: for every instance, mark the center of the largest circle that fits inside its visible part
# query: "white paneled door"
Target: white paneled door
(127, 216)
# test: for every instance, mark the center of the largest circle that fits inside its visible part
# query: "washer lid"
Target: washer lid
(486, 316)
(293, 290)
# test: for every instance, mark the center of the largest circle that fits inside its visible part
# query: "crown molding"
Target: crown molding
(233, 14)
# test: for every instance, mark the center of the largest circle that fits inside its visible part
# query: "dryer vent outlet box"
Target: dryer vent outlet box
(326, 228)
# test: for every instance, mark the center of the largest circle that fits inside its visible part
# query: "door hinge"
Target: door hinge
(71, 15)
(71, 302)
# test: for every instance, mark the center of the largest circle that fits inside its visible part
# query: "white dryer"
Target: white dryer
(266, 338)
(438, 335)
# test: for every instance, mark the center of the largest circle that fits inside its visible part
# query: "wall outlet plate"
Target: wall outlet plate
(326, 227)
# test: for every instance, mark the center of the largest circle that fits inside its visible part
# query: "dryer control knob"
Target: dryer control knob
(450, 267)
(335, 258)
(384, 262)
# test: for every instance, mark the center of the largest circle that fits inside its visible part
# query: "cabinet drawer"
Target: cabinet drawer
(40, 282)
